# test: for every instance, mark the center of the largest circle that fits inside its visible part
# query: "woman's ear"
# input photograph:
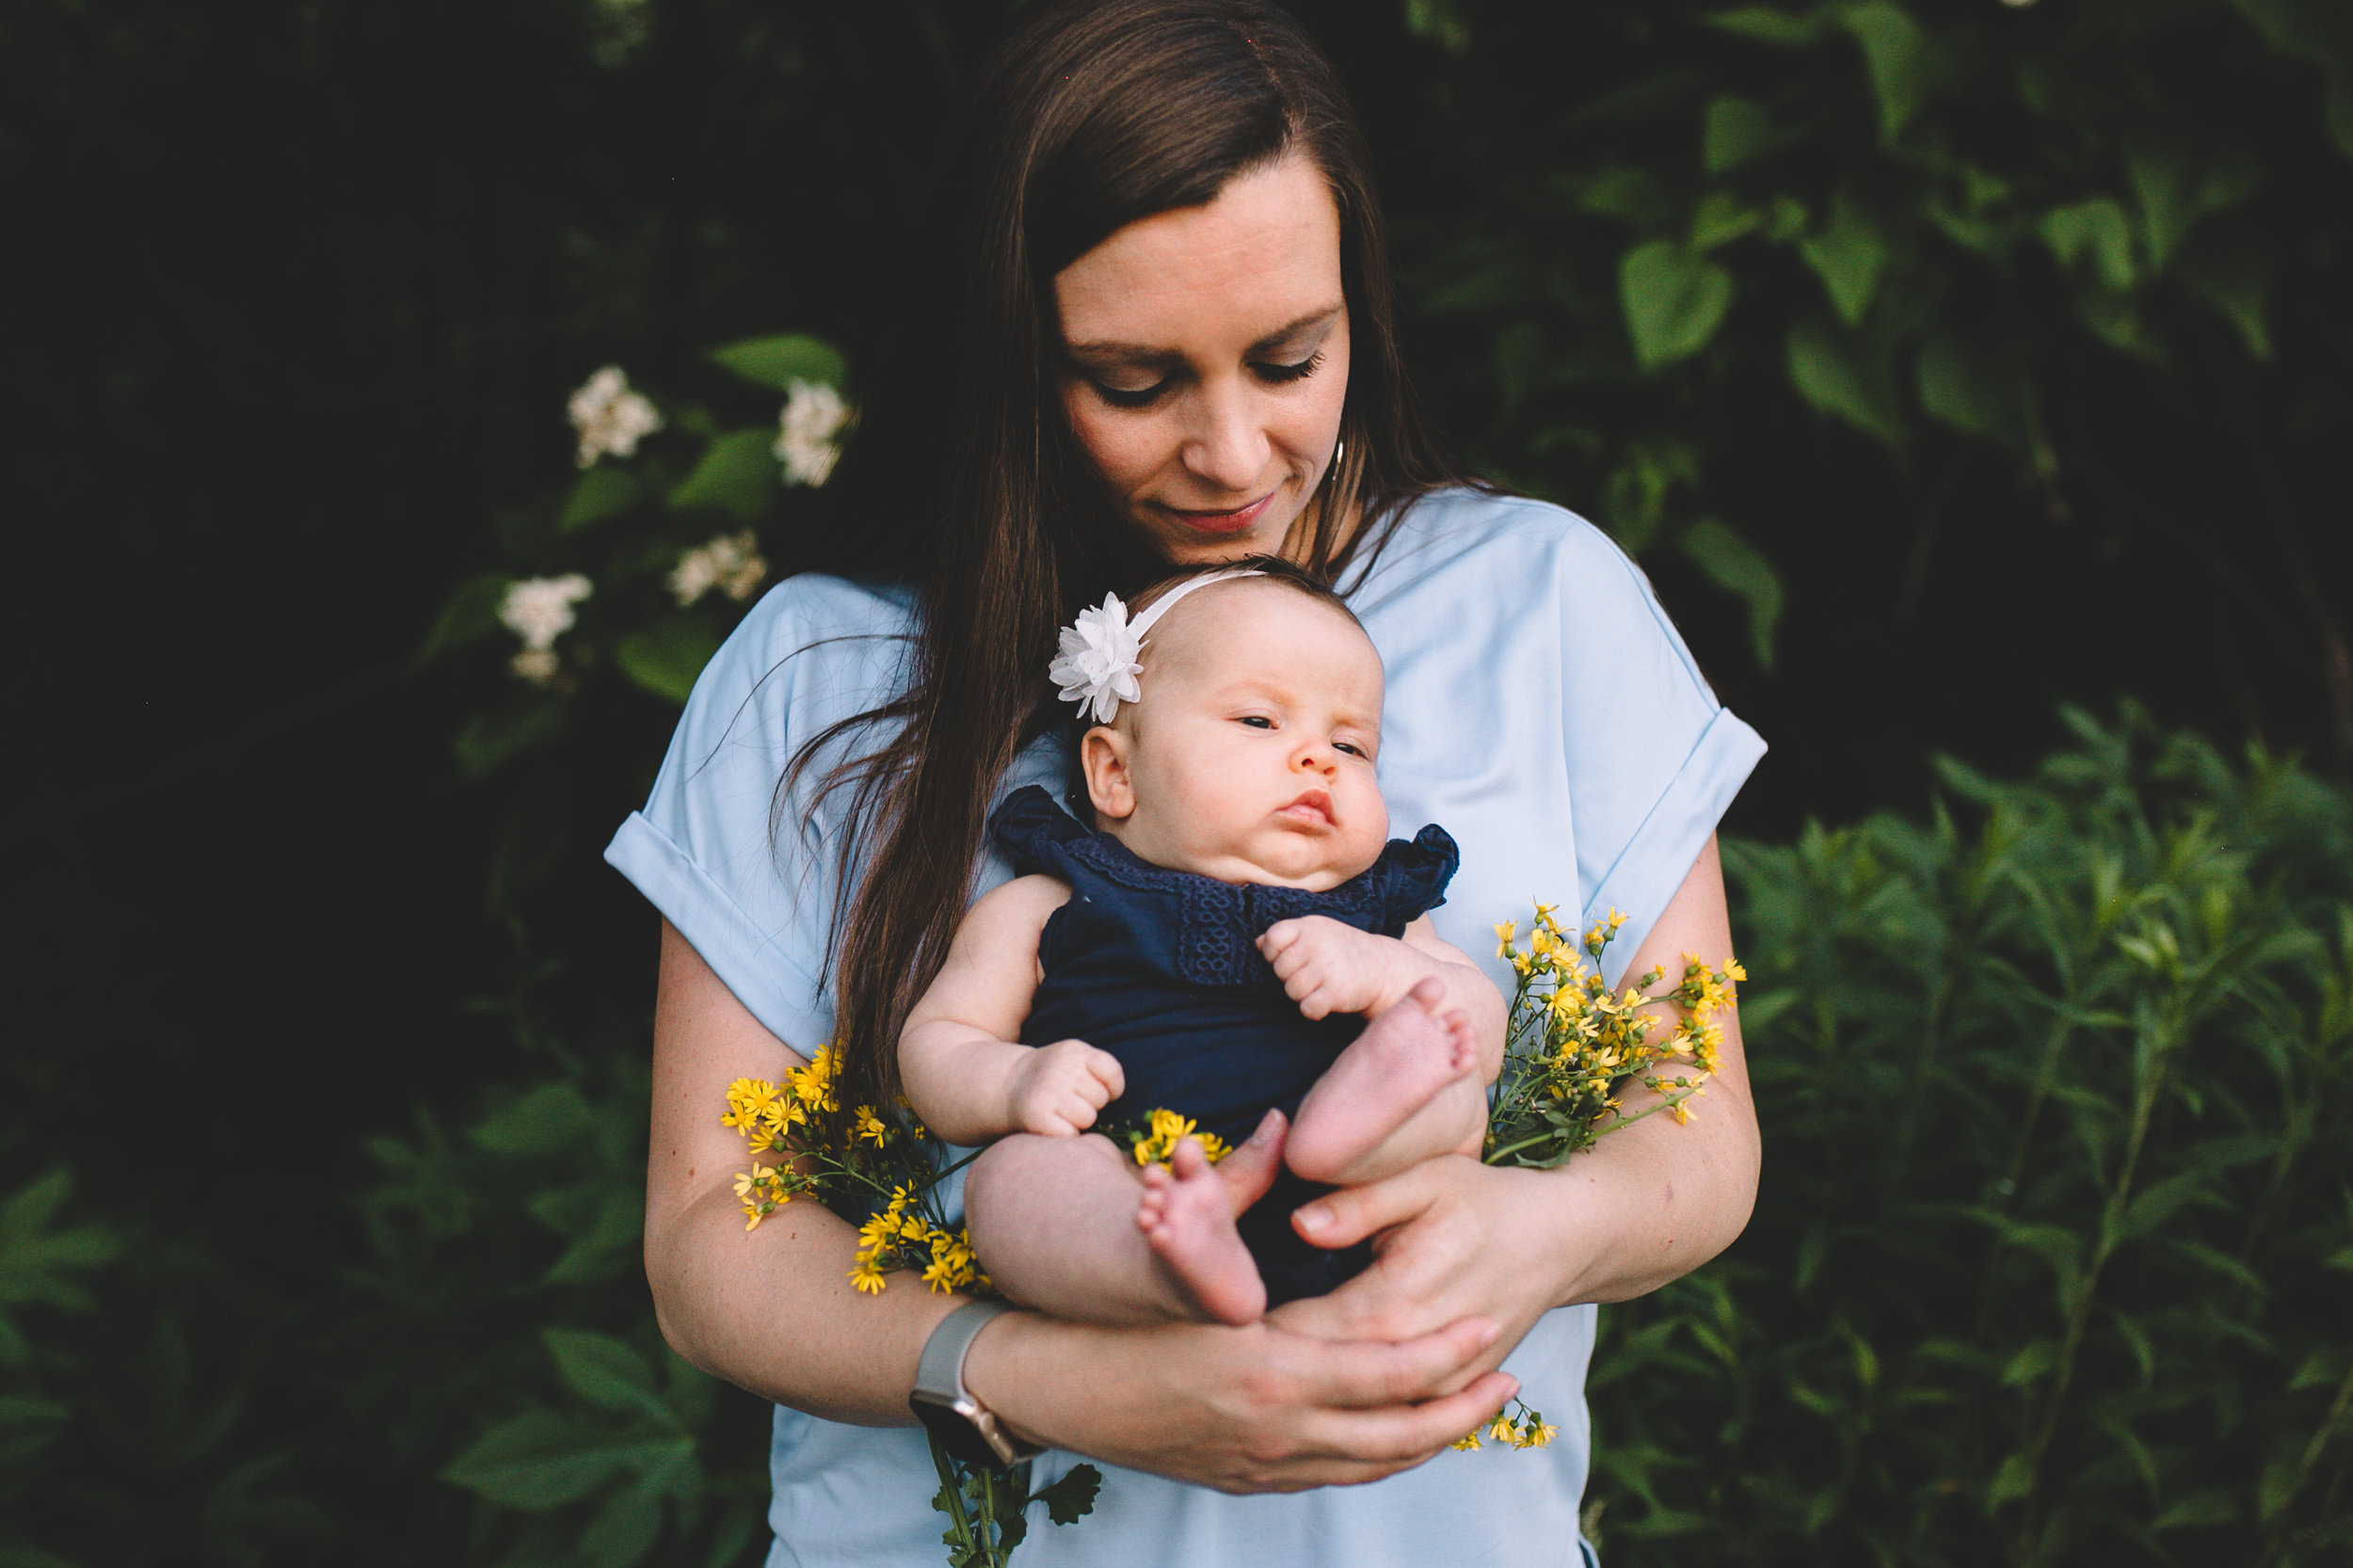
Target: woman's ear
(1103, 760)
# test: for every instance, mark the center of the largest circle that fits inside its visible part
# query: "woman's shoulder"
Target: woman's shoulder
(1504, 548)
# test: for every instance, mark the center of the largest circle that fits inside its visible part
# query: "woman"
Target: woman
(1178, 347)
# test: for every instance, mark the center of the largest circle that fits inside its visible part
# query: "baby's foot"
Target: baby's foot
(1187, 1214)
(1396, 1067)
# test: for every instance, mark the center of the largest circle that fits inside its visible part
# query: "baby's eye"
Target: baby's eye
(1257, 721)
(1348, 747)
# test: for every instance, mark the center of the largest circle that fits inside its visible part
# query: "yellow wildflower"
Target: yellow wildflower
(1468, 1440)
(870, 1128)
(1502, 1431)
(1538, 1435)
(866, 1278)
(1504, 934)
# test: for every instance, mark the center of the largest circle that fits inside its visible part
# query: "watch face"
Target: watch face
(957, 1435)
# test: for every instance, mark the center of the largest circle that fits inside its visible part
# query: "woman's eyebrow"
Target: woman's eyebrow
(1141, 354)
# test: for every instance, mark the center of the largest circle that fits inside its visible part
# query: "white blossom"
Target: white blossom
(539, 609)
(611, 419)
(537, 664)
(813, 415)
(731, 563)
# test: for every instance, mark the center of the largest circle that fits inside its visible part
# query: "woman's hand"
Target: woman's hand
(1256, 1409)
(1651, 1202)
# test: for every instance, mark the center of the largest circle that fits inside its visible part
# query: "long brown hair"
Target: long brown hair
(1095, 114)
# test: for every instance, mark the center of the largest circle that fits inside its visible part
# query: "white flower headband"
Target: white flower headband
(1097, 667)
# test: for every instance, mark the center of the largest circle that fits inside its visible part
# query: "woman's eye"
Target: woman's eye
(1297, 372)
(1121, 397)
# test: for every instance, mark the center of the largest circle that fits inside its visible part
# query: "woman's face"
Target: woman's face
(1205, 362)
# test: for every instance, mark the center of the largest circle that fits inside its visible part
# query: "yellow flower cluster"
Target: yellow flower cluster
(899, 1238)
(1157, 1139)
(771, 1117)
(1529, 1430)
(1574, 1041)
(766, 1114)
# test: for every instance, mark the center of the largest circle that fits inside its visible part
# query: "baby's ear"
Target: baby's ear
(1103, 761)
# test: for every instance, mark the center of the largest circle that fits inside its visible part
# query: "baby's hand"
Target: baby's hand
(1329, 968)
(1056, 1089)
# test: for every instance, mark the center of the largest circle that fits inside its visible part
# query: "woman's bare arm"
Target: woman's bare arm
(1243, 1410)
(1645, 1206)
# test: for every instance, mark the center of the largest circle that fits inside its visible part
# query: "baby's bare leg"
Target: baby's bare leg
(1058, 1223)
(1405, 1090)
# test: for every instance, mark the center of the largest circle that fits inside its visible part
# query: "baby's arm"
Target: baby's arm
(964, 1074)
(1327, 966)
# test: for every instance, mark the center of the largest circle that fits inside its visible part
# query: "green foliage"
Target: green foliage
(1942, 228)
(2051, 1262)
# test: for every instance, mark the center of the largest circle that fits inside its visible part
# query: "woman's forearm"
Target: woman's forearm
(1653, 1201)
(774, 1311)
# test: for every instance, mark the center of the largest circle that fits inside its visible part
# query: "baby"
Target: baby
(1237, 945)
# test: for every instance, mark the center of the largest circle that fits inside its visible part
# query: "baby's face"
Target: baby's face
(1249, 758)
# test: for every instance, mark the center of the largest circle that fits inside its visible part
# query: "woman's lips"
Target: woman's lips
(1222, 523)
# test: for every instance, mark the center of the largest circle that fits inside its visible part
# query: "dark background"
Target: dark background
(297, 290)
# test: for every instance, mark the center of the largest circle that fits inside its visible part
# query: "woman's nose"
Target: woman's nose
(1227, 447)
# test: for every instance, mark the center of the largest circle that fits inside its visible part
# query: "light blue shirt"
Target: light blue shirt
(1539, 708)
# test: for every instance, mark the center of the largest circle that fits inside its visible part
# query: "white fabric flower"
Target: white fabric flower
(611, 419)
(731, 563)
(1097, 669)
(813, 415)
(539, 609)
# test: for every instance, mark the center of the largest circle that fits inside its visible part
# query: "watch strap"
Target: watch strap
(965, 1428)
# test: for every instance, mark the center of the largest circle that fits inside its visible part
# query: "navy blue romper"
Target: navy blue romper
(1161, 968)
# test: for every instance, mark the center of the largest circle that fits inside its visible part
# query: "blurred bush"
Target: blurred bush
(2053, 1260)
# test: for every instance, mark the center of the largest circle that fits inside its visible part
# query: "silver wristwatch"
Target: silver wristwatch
(969, 1429)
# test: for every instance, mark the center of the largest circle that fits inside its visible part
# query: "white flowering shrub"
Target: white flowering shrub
(629, 578)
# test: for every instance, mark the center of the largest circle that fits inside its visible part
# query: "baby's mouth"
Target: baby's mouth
(1314, 809)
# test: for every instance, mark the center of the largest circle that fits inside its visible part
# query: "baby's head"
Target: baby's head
(1249, 754)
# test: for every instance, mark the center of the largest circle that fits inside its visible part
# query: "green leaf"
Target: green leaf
(2233, 277)
(2030, 1364)
(490, 740)
(2212, 1506)
(2280, 1481)
(1439, 22)
(1674, 301)
(781, 361)
(602, 493)
(665, 657)
(1072, 1497)
(552, 1121)
(540, 1459)
(737, 475)
(606, 1372)
(1895, 51)
(2320, 31)
(1848, 255)
(1742, 569)
(2174, 191)
(1974, 386)
(2096, 229)
(1767, 25)
(1832, 371)
(624, 1530)
(1737, 132)
(471, 612)
(2014, 1479)
(1721, 219)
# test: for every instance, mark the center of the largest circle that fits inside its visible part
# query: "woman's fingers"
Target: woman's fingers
(1398, 1437)
(1344, 1218)
(1367, 1374)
